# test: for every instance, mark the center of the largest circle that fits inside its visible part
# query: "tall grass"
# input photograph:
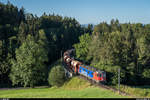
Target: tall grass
(136, 91)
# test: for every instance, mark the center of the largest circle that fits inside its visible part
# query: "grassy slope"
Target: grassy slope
(75, 88)
(139, 91)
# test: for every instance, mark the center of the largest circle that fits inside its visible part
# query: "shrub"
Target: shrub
(56, 76)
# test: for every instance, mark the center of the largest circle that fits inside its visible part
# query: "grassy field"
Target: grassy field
(138, 91)
(75, 88)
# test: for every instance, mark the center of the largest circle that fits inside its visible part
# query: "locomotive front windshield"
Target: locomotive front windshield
(99, 75)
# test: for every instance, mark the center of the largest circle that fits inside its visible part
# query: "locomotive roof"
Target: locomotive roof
(92, 68)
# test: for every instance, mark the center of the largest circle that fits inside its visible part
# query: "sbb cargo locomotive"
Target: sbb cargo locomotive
(87, 71)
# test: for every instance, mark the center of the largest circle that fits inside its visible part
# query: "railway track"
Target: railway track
(103, 86)
(92, 81)
(96, 84)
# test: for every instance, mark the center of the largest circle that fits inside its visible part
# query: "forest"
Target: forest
(30, 44)
(118, 46)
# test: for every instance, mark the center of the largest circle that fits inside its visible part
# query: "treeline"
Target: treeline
(118, 45)
(29, 44)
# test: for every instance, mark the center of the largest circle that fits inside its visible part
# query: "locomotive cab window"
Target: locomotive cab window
(99, 75)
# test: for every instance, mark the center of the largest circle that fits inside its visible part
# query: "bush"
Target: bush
(56, 76)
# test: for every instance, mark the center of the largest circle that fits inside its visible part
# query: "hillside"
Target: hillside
(74, 88)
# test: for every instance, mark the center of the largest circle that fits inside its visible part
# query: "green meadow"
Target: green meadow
(74, 88)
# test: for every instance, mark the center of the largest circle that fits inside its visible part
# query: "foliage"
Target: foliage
(124, 45)
(28, 69)
(47, 30)
(8, 30)
(56, 76)
(146, 73)
(104, 46)
(82, 47)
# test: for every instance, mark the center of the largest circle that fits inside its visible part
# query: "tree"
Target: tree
(22, 32)
(56, 76)
(29, 67)
(8, 29)
(82, 47)
(102, 28)
(146, 73)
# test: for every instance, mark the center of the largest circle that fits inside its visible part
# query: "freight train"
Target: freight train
(81, 69)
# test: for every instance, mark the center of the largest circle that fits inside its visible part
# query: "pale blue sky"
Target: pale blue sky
(90, 11)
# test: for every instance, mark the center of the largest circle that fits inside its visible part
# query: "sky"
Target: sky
(90, 11)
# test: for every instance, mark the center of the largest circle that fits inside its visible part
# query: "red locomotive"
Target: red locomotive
(87, 71)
